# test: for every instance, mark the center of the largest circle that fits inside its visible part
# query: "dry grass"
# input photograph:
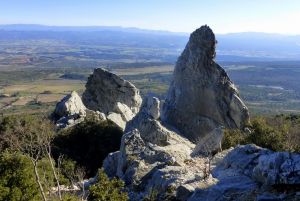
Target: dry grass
(49, 98)
(22, 101)
(145, 70)
(58, 86)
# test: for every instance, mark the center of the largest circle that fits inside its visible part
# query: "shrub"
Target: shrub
(279, 133)
(107, 190)
(266, 136)
(17, 180)
(233, 137)
(67, 197)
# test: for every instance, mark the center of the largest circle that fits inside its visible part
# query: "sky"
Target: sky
(223, 16)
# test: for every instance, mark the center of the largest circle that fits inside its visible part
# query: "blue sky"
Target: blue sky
(224, 16)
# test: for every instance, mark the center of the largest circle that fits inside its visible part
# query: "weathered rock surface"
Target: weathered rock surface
(69, 111)
(244, 173)
(118, 99)
(70, 105)
(158, 153)
(252, 173)
(148, 151)
(201, 96)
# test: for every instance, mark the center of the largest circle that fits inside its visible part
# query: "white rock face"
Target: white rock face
(124, 110)
(153, 107)
(70, 105)
(69, 111)
(111, 95)
(117, 119)
(201, 96)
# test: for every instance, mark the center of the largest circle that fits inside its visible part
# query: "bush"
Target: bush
(107, 190)
(67, 197)
(279, 133)
(266, 136)
(233, 137)
(88, 143)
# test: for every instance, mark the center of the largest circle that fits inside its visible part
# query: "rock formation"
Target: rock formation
(251, 173)
(158, 153)
(201, 96)
(147, 149)
(69, 111)
(118, 99)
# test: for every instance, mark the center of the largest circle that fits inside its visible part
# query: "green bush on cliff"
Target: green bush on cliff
(107, 190)
(279, 133)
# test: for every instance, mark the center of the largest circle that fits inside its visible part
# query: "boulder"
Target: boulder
(146, 121)
(153, 107)
(117, 98)
(69, 111)
(201, 96)
(70, 105)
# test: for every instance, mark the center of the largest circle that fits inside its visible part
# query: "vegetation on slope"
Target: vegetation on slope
(35, 160)
(278, 133)
(88, 143)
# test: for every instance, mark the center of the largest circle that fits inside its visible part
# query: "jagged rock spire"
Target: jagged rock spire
(201, 96)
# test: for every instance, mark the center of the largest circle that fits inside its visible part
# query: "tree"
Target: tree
(32, 136)
(17, 178)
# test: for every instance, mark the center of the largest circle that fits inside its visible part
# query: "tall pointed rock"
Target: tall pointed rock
(201, 97)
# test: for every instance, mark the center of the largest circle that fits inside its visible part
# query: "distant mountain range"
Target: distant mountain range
(233, 46)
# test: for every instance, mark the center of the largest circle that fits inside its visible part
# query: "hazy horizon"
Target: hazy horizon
(147, 29)
(232, 16)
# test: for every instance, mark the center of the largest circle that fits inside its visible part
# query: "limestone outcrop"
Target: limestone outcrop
(118, 99)
(167, 147)
(249, 172)
(201, 96)
(246, 172)
(69, 111)
(148, 151)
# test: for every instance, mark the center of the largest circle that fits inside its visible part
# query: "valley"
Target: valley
(266, 87)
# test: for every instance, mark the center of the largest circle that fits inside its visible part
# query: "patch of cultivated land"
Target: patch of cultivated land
(145, 70)
(55, 86)
(267, 88)
(36, 96)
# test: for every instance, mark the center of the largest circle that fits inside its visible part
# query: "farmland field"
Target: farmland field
(35, 74)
